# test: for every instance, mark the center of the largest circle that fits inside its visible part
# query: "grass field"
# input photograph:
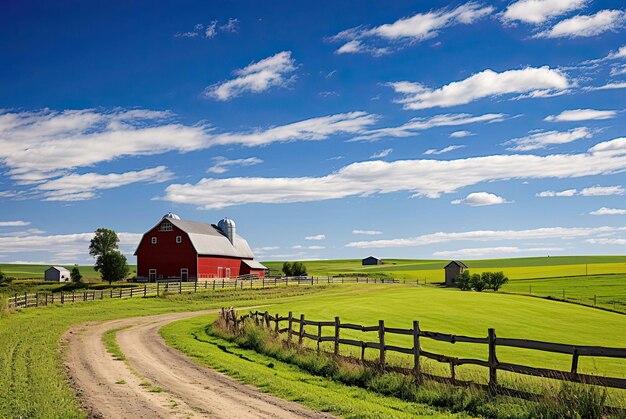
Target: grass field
(33, 384)
(31, 271)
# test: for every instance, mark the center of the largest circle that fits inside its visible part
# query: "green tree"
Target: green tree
(75, 274)
(287, 270)
(497, 280)
(477, 282)
(113, 266)
(298, 269)
(463, 281)
(4, 279)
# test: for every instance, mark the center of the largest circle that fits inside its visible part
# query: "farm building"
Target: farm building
(453, 270)
(371, 260)
(57, 273)
(191, 250)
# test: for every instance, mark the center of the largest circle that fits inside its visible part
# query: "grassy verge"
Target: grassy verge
(570, 401)
(110, 343)
(285, 380)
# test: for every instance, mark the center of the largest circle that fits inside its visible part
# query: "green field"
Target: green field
(33, 384)
(432, 270)
(28, 271)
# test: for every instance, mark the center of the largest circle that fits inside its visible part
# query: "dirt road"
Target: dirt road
(158, 381)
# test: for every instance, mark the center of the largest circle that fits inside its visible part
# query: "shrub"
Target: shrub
(464, 282)
(75, 274)
(497, 280)
(298, 269)
(572, 401)
(477, 282)
(287, 269)
(4, 279)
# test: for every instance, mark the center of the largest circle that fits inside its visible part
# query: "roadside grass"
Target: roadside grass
(570, 401)
(287, 381)
(109, 338)
(32, 379)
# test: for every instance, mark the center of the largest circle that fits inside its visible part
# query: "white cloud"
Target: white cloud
(37, 146)
(480, 199)
(317, 237)
(416, 28)
(591, 191)
(256, 77)
(607, 241)
(315, 247)
(493, 251)
(564, 233)
(586, 26)
(429, 178)
(618, 70)
(231, 26)
(539, 11)
(608, 86)
(415, 125)
(537, 82)
(14, 223)
(609, 211)
(382, 153)
(81, 187)
(443, 150)
(210, 30)
(367, 232)
(580, 115)
(222, 164)
(547, 138)
(461, 134)
(620, 53)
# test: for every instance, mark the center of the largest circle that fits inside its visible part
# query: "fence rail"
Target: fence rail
(491, 340)
(38, 299)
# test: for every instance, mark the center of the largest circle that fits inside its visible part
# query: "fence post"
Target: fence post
(575, 361)
(337, 323)
(62, 298)
(111, 292)
(289, 327)
(319, 337)
(493, 361)
(276, 328)
(120, 293)
(25, 299)
(267, 319)
(222, 282)
(301, 332)
(180, 286)
(131, 292)
(46, 299)
(416, 349)
(73, 295)
(381, 341)
(195, 286)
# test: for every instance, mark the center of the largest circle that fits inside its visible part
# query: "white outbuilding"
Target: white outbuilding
(57, 274)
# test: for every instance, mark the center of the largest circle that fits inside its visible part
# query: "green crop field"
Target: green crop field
(432, 270)
(33, 383)
(30, 271)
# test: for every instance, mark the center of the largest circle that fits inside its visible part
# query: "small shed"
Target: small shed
(371, 260)
(453, 270)
(57, 274)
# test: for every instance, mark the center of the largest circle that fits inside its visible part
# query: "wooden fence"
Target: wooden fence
(25, 300)
(273, 323)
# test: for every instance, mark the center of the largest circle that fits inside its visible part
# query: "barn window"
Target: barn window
(166, 226)
(154, 240)
(179, 239)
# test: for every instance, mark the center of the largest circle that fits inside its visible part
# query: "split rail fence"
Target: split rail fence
(25, 300)
(273, 323)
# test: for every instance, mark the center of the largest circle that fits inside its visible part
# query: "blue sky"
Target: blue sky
(325, 130)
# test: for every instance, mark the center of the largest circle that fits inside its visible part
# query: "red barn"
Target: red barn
(190, 250)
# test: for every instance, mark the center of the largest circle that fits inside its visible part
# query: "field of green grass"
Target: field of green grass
(33, 384)
(431, 271)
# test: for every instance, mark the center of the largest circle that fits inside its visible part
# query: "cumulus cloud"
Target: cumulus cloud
(367, 232)
(564, 233)
(591, 191)
(461, 134)
(609, 211)
(539, 11)
(443, 150)
(544, 139)
(534, 82)
(480, 199)
(257, 77)
(416, 28)
(223, 165)
(494, 251)
(80, 187)
(37, 146)
(415, 125)
(580, 115)
(382, 153)
(317, 237)
(620, 53)
(586, 26)
(14, 223)
(429, 178)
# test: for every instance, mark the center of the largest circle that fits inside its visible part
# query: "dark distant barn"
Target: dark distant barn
(453, 270)
(371, 260)
(191, 250)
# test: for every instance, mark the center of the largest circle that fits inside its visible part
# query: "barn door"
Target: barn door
(227, 272)
(184, 274)
(220, 272)
(152, 275)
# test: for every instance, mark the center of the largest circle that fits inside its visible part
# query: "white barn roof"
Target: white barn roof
(59, 268)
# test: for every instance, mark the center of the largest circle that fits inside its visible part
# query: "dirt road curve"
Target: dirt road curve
(158, 381)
